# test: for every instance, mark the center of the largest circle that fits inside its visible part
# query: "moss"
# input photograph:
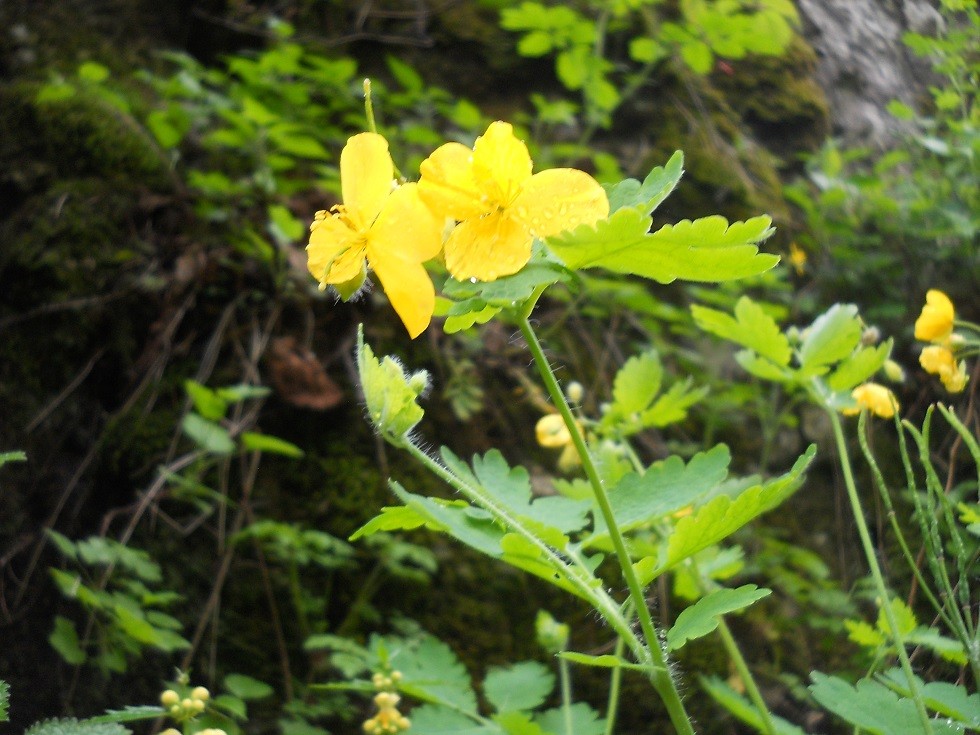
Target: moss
(779, 99)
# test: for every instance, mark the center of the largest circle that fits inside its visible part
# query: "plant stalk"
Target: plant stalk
(879, 580)
(655, 655)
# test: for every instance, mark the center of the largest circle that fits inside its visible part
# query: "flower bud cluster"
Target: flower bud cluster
(187, 707)
(388, 720)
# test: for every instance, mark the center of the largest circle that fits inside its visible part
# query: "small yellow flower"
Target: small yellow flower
(797, 258)
(935, 323)
(501, 207)
(876, 398)
(385, 227)
(551, 431)
(940, 361)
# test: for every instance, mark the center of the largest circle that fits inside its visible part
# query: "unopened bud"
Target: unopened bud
(575, 392)
(893, 371)
(169, 698)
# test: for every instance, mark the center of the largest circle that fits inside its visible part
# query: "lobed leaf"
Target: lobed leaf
(701, 618)
(521, 686)
(751, 327)
(721, 517)
(707, 249)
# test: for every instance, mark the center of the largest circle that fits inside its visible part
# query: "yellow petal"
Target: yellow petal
(404, 236)
(409, 289)
(447, 185)
(405, 225)
(935, 323)
(560, 199)
(876, 398)
(551, 431)
(336, 252)
(501, 163)
(936, 360)
(488, 248)
(366, 176)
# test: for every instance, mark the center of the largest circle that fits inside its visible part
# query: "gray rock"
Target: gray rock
(863, 63)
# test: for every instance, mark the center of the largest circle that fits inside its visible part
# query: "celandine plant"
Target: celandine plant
(506, 235)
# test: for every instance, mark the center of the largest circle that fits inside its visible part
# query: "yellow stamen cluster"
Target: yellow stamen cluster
(388, 720)
(185, 708)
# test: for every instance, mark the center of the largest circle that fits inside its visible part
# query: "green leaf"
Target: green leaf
(4, 701)
(394, 518)
(430, 719)
(869, 705)
(721, 517)
(832, 337)
(605, 661)
(859, 366)
(471, 526)
(637, 383)
(208, 403)
(246, 687)
(707, 249)
(743, 709)
(430, 671)
(535, 43)
(239, 393)
(697, 55)
(12, 457)
(285, 227)
(701, 618)
(666, 487)
(511, 487)
(208, 435)
(130, 714)
(751, 327)
(521, 686)
(405, 74)
(90, 71)
(390, 393)
(64, 639)
(71, 726)
(269, 444)
(656, 187)
(542, 270)
(518, 723)
(584, 720)
(231, 705)
(949, 700)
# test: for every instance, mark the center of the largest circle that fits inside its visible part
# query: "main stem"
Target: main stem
(659, 674)
(879, 580)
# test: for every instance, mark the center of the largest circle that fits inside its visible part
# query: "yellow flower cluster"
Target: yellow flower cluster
(185, 708)
(388, 720)
(493, 205)
(935, 325)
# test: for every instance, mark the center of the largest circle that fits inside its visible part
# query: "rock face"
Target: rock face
(862, 62)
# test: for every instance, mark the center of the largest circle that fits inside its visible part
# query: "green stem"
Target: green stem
(751, 688)
(566, 693)
(615, 680)
(879, 580)
(579, 575)
(655, 655)
(369, 107)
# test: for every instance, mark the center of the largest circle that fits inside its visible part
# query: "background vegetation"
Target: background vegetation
(195, 450)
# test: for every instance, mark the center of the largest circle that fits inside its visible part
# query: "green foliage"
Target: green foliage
(701, 618)
(649, 33)
(71, 726)
(894, 224)
(708, 249)
(873, 706)
(4, 701)
(126, 608)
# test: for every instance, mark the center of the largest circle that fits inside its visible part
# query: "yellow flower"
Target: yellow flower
(501, 207)
(551, 431)
(876, 398)
(390, 228)
(940, 361)
(797, 258)
(935, 323)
